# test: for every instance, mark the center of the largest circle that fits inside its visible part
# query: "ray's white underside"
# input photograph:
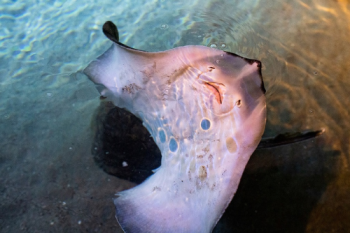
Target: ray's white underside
(172, 92)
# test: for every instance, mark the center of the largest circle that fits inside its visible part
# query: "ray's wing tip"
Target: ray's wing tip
(137, 212)
(87, 72)
(252, 61)
(259, 66)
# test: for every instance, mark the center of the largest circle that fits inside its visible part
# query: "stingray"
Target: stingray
(206, 111)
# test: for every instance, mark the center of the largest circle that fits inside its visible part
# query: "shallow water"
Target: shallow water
(49, 180)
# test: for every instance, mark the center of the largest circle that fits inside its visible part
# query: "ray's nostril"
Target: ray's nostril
(239, 103)
(210, 68)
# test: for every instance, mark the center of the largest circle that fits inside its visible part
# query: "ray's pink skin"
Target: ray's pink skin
(173, 92)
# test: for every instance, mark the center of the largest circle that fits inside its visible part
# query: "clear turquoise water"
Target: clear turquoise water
(48, 179)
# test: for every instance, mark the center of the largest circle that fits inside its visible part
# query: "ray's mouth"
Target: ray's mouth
(216, 89)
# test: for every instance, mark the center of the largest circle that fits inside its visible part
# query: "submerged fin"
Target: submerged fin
(288, 138)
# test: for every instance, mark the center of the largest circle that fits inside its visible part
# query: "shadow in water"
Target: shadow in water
(122, 146)
(278, 190)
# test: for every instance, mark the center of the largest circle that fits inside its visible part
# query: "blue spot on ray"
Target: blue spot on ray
(205, 124)
(161, 135)
(172, 145)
